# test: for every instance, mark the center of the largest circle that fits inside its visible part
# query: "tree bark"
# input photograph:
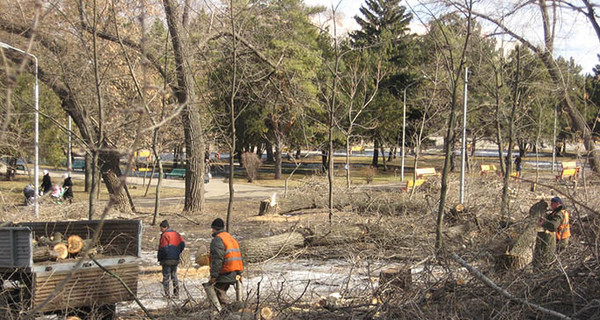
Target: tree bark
(545, 247)
(520, 253)
(186, 96)
(266, 208)
(261, 249)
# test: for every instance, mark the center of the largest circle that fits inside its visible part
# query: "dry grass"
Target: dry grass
(401, 232)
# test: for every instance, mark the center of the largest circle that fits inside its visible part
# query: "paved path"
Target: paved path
(217, 189)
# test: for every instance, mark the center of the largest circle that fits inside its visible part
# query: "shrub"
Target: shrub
(251, 163)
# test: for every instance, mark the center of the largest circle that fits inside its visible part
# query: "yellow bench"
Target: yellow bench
(421, 174)
(569, 170)
(488, 168)
(425, 172)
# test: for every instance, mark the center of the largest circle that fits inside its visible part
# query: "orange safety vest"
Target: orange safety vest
(233, 256)
(564, 229)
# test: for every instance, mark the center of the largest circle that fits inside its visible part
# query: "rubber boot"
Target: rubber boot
(175, 292)
(211, 295)
(238, 290)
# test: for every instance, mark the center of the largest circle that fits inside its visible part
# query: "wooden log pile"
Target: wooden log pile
(57, 248)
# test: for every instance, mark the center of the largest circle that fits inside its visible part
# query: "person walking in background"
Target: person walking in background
(46, 183)
(68, 188)
(29, 193)
(518, 167)
(557, 221)
(226, 264)
(169, 251)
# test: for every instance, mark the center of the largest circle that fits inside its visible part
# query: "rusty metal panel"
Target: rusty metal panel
(118, 237)
(15, 248)
(87, 287)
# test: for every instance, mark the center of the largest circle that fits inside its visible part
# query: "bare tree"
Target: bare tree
(550, 17)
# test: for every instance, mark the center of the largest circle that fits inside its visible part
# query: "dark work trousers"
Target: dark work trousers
(169, 271)
(221, 289)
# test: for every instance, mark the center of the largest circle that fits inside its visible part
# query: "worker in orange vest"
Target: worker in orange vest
(226, 265)
(558, 221)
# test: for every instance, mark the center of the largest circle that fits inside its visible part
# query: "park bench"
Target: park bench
(422, 173)
(176, 173)
(570, 170)
(425, 172)
(488, 168)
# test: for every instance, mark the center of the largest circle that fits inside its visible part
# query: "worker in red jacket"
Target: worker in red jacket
(169, 250)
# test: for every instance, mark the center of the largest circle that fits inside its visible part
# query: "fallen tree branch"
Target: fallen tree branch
(503, 292)
(188, 219)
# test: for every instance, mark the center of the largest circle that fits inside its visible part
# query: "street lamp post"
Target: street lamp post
(36, 128)
(404, 128)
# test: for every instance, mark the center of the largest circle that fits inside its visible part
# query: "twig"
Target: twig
(188, 219)
(503, 292)
(124, 286)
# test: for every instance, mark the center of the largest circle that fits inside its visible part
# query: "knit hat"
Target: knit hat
(217, 224)
(557, 200)
(45, 172)
(164, 224)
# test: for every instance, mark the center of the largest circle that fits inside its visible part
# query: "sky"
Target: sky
(574, 37)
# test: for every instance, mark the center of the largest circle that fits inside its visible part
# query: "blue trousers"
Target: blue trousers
(170, 272)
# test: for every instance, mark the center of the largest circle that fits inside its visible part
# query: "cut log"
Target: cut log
(261, 249)
(520, 253)
(75, 244)
(73, 318)
(202, 256)
(61, 250)
(266, 208)
(44, 253)
(266, 313)
(337, 234)
(395, 277)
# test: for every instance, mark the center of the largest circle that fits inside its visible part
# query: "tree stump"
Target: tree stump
(545, 247)
(395, 277)
(266, 208)
(521, 252)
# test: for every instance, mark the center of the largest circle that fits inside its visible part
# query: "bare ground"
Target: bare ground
(401, 234)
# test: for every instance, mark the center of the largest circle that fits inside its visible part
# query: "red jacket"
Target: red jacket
(170, 246)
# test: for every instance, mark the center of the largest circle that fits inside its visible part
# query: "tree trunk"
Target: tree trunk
(383, 159)
(269, 148)
(504, 210)
(261, 249)
(111, 174)
(88, 172)
(192, 125)
(545, 247)
(334, 235)
(277, 159)
(520, 253)
(375, 161)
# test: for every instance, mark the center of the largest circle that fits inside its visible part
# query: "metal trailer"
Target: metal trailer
(89, 291)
